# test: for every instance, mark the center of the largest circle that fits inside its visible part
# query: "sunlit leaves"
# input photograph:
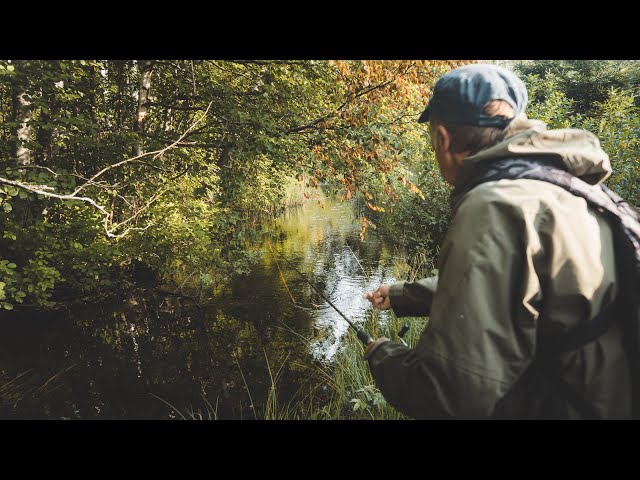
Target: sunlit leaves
(412, 187)
(373, 128)
(364, 224)
(346, 122)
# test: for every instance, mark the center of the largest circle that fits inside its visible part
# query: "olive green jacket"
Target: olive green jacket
(522, 260)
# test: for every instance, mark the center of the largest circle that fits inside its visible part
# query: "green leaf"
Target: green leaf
(7, 207)
(10, 68)
(7, 306)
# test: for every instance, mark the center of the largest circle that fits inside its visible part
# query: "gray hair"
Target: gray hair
(471, 138)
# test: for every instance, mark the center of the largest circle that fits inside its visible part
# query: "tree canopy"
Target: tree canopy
(107, 165)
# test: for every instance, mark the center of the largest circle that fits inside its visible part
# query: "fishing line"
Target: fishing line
(364, 337)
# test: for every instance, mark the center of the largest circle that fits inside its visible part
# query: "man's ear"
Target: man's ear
(443, 138)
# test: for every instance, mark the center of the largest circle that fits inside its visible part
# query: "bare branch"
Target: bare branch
(174, 107)
(228, 70)
(156, 153)
(109, 226)
(349, 98)
(140, 211)
(55, 174)
(44, 190)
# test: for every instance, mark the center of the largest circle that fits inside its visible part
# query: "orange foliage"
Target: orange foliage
(415, 189)
(375, 208)
(373, 95)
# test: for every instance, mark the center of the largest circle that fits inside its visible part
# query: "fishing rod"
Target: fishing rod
(364, 337)
(405, 327)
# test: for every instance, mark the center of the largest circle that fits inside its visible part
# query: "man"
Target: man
(523, 261)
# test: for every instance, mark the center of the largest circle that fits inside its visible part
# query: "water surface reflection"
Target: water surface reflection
(126, 357)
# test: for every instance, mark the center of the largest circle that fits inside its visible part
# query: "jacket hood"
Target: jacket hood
(578, 150)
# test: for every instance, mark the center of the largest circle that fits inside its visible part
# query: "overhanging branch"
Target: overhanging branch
(110, 227)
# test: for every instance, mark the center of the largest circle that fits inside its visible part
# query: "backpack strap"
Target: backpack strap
(619, 215)
(551, 367)
(549, 351)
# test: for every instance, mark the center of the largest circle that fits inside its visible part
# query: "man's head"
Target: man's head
(469, 110)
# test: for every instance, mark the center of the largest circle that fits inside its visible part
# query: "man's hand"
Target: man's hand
(374, 343)
(379, 297)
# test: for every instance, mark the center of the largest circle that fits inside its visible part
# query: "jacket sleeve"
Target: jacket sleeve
(481, 334)
(413, 299)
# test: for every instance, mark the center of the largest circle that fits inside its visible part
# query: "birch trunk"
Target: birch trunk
(146, 72)
(22, 114)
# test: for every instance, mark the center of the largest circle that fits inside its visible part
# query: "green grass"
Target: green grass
(353, 394)
(294, 192)
(28, 387)
(210, 412)
(343, 389)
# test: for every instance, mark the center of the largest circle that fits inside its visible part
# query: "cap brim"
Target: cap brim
(424, 117)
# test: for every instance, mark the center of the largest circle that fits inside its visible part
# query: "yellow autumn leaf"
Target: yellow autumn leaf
(415, 189)
(375, 208)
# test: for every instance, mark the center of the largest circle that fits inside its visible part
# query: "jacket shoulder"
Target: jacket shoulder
(504, 201)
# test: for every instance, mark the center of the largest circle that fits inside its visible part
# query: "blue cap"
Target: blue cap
(461, 95)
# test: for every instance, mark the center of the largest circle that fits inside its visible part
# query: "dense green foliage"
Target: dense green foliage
(615, 120)
(165, 169)
(191, 156)
(587, 82)
(189, 210)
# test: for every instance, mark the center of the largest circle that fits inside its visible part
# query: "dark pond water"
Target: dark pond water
(136, 356)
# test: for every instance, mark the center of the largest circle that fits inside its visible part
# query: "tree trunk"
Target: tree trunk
(22, 115)
(94, 85)
(44, 134)
(44, 128)
(146, 72)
